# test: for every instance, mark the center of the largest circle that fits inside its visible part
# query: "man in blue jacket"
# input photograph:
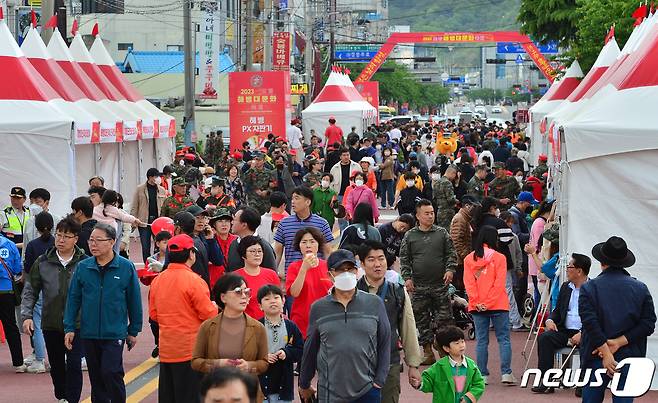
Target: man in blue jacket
(106, 285)
(617, 316)
(10, 266)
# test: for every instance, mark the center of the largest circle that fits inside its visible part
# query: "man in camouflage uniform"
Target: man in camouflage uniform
(313, 179)
(503, 187)
(210, 155)
(178, 201)
(427, 263)
(260, 182)
(476, 186)
(542, 168)
(443, 193)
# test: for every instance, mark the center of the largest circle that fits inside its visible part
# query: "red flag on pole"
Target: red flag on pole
(94, 31)
(2, 13)
(639, 14)
(33, 17)
(74, 28)
(611, 34)
(52, 22)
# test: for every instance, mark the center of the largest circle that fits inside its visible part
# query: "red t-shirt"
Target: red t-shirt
(266, 276)
(316, 285)
(333, 134)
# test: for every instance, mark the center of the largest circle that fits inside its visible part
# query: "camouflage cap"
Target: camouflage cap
(499, 165)
(552, 234)
(179, 181)
(258, 154)
(221, 212)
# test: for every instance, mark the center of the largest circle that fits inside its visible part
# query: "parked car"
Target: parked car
(496, 109)
(400, 120)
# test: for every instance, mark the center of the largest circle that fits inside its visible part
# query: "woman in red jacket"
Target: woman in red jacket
(485, 272)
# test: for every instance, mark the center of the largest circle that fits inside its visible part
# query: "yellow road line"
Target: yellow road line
(135, 373)
(139, 370)
(141, 393)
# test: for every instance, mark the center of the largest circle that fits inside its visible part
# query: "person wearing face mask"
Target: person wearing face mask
(361, 193)
(39, 202)
(216, 196)
(410, 195)
(348, 341)
(146, 204)
(414, 167)
(324, 200)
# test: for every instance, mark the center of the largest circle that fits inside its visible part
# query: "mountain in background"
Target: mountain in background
(450, 15)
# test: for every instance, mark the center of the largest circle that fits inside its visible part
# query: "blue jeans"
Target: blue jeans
(37, 337)
(388, 192)
(597, 394)
(275, 399)
(502, 328)
(374, 395)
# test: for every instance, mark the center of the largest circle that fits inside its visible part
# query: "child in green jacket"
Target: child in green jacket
(455, 377)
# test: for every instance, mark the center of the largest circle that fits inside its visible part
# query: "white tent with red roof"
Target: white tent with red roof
(609, 152)
(553, 98)
(29, 124)
(340, 100)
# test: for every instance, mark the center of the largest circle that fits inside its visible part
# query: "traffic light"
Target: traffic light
(496, 61)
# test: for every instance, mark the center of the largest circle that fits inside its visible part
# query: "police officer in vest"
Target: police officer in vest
(400, 315)
(14, 217)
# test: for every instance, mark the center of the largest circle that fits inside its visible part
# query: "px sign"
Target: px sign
(638, 380)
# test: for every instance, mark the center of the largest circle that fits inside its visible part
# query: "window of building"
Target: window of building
(102, 6)
(124, 46)
(174, 48)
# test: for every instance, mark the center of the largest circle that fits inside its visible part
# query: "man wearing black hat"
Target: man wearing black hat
(14, 216)
(348, 341)
(617, 315)
(146, 205)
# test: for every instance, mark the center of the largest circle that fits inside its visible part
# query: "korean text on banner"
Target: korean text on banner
(208, 45)
(369, 90)
(281, 51)
(257, 105)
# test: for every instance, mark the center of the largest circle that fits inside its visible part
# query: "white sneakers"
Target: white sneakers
(37, 367)
(486, 379)
(20, 369)
(83, 364)
(508, 379)
(29, 359)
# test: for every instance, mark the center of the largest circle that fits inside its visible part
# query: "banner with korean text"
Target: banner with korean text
(208, 38)
(281, 51)
(257, 106)
(369, 90)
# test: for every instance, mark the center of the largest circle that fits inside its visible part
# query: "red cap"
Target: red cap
(237, 156)
(190, 157)
(180, 243)
(543, 157)
(292, 152)
(180, 153)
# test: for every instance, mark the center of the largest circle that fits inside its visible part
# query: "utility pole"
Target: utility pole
(268, 34)
(309, 22)
(190, 70)
(332, 31)
(47, 11)
(249, 37)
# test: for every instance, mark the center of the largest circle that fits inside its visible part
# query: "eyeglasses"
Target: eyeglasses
(95, 241)
(242, 291)
(64, 236)
(255, 251)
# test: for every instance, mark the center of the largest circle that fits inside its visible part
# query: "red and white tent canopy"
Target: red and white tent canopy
(338, 99)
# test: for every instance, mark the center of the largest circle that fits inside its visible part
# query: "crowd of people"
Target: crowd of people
(271, 261)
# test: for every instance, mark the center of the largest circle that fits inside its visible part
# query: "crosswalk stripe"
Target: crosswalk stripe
(135, 373)
(141, 393)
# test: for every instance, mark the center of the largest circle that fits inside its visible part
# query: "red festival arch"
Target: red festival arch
(457, 37)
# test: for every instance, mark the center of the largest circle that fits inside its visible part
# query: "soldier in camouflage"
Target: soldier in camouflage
(443, 193)
(476, 186)
(313, 178)
(427, 263)
(178, 201)
(542, 168)
(210, 155)
(260, 182)
(503, 187)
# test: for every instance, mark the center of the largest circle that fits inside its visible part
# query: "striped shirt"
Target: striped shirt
(289, 226)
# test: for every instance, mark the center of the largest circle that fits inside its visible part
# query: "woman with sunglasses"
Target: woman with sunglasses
(251, 252)
(231, 339)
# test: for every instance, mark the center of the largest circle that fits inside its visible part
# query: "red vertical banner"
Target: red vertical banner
(369, 90)
(257, 105)
(281, 51)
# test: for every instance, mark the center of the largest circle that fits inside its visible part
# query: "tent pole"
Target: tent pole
(121, 173)
(97, 158)
(72, 163)
(140, 159)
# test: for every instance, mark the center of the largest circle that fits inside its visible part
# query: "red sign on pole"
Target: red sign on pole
(281, 51)
(369, 90)
(257, 106)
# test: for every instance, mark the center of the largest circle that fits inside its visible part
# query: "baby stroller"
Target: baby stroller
(463, 319)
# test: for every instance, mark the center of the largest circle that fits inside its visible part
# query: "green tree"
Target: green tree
(549, 20)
